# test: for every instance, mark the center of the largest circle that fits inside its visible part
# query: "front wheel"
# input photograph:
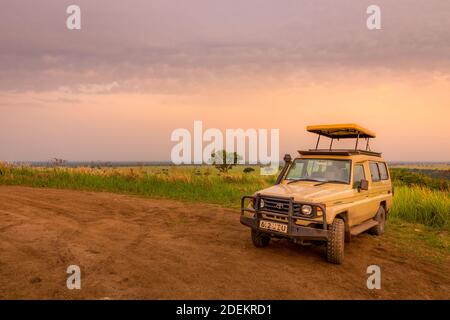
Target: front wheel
(260, 239)
(335, 242)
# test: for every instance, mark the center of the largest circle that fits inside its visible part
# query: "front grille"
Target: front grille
(279, 206)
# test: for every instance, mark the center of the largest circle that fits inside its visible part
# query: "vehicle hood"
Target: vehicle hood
(308, 192)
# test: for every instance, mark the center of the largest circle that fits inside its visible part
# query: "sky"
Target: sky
(137, 70)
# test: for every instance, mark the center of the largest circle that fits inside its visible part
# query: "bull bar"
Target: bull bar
(294, 231)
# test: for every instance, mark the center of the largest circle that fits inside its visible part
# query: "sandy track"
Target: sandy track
(130, 247)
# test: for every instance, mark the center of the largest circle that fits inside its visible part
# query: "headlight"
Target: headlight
(261, 205)
(306, 210)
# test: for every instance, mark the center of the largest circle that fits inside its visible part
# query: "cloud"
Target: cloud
(93, 88)
(168, 47)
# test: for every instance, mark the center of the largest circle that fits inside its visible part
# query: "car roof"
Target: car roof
(339, 152)
(341, 131)
(356, 156)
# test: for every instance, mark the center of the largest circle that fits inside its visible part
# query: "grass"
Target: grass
(430, 244)
(418, 204)
(414, 203)
(419, 221)
(181, 183)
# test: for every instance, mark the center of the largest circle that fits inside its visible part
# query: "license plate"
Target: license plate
(273, 226)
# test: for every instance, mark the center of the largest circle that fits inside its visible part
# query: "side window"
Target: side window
(358, 175)
(383, 171)
(374, 171)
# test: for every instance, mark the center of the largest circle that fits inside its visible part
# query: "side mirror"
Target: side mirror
(363, 185)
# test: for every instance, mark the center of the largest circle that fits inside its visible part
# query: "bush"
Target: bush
(403, 176)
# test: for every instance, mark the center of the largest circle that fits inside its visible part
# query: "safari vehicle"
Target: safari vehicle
(324, 195)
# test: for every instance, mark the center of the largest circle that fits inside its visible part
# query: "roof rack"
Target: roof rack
(338, 152)
(342, 131)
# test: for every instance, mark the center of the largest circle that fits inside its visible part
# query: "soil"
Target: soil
(130, 247)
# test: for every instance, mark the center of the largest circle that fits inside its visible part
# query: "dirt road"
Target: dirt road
(130, 247)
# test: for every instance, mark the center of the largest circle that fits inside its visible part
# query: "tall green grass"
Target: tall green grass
(188, 183)
(419, 204)
(412, 203)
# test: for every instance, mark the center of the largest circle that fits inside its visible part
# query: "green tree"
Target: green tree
(224, 161)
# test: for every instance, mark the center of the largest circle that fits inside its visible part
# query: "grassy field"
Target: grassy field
(418, 198)
(427, 243)
(418, 204)
(419, 221)
(181, 183)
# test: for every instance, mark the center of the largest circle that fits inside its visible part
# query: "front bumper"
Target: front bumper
(294, 231)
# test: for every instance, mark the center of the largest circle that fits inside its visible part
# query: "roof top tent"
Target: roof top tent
(342, 131)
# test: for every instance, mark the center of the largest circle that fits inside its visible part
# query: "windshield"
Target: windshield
(322, 170)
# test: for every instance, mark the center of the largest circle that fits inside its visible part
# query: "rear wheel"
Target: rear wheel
(335, 242)
(260, 239)
(378, 230)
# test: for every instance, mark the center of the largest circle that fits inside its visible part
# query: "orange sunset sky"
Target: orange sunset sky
(115, 90)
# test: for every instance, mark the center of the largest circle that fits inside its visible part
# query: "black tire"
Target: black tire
(336, 240)
(378, 230)
(260, 239)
